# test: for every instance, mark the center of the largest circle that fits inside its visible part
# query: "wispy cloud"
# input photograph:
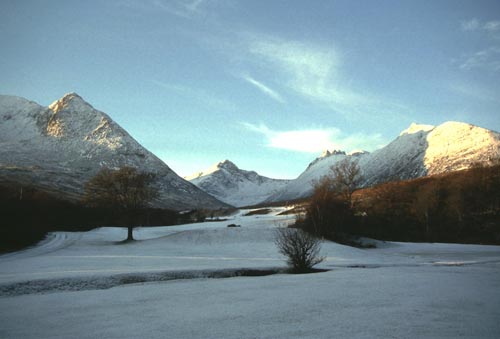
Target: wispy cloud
(470, 25)
(180, 8)
(487, 59)
(310, 70)
(264, 89)
(315, 73)
(492, 26)
(193, 5)
(476, 25)
(316, 140)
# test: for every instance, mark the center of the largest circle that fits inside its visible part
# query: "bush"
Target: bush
(301, 249)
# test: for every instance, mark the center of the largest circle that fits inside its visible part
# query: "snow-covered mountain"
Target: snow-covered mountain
(60, 147)
(418, 151)
(303, 185)
(235, 186)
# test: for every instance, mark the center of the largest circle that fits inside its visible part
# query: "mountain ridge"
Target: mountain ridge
(61, 146)
(419, 150)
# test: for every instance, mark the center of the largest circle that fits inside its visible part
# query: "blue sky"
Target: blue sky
(266, 84)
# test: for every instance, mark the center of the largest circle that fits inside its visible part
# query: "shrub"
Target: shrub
(301, 249)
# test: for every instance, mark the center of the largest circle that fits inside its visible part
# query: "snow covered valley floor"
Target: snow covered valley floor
(166, 285)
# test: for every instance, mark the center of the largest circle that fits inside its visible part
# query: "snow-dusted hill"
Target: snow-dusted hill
(418, 151)
(235, 186)
(60, 147)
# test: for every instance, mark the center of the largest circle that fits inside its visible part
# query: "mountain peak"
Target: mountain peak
(72, 102)
(72, 116)
(327, 153)
(236, 186)
(415, 128)
(222, 165)
(60, 148)
(227, 165)
(71, 95)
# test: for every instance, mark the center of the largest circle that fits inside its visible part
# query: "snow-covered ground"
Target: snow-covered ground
(85, 285)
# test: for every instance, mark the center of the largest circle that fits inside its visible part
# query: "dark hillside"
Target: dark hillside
(462, 206)
(459, 207)
(28, 213)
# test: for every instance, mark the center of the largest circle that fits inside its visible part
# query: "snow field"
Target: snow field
(408, 302)
(398, 290)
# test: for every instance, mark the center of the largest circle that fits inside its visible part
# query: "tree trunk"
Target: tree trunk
(129, 233)
(131, 223)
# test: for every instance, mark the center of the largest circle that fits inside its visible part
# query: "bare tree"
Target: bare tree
(322, 215)
(346, 177)
(331, 208)
(301, 249)
(126, 190)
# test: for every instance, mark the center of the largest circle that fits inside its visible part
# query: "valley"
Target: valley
(234, 169)
(426, 290)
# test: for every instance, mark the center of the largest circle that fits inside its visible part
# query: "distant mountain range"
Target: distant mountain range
(60, 147)
(418, 151)
(235, 186)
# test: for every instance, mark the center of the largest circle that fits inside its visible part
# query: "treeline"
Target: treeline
(461, 207)
(27, 214)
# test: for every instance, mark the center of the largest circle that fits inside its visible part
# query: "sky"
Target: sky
(268, 84)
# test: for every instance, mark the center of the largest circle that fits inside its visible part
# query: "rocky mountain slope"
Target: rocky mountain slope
(58, 148)
(418, 151)
(235, 186)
